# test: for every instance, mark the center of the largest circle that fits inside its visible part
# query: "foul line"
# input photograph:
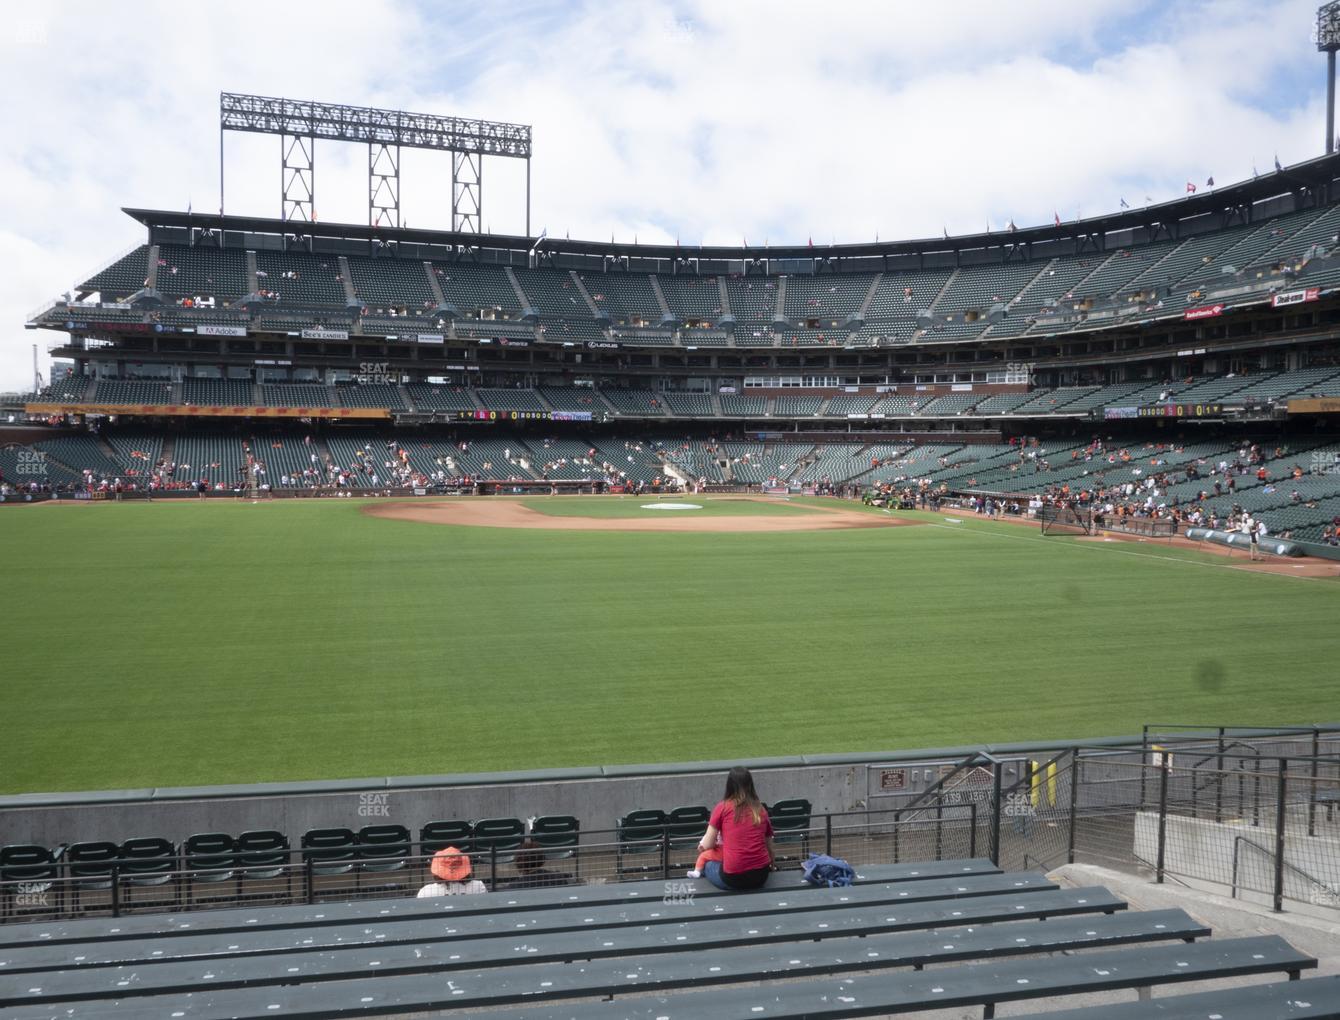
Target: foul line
(958, 530)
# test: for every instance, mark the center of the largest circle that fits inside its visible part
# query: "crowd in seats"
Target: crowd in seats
(476, 289)
(626, 297)
(217, 275)
(695, 298)
(297, 279)
(1076, 293)
(642, 403)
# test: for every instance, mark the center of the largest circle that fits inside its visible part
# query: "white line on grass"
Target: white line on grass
(1122, 552)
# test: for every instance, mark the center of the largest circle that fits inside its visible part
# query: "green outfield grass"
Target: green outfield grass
(185, 643)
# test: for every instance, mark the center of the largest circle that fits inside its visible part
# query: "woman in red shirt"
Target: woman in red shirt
(740, 826)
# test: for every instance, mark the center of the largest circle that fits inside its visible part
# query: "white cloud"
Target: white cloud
(705, 121)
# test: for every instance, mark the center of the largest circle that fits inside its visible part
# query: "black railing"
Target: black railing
(310, 875)
(1081, 804)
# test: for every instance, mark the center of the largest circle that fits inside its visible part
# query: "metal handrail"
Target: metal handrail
(974, 760)
(1281, 863)
(299, 869)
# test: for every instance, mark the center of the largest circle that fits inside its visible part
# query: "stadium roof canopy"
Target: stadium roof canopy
(1308, 183)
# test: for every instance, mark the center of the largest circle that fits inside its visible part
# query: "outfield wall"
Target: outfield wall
(596, 796)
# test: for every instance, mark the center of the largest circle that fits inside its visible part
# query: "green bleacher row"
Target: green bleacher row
(1163, 278)
(903, 938)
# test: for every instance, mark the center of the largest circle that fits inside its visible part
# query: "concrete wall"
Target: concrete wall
(596, 796)
(596, 801)
(1201, 851)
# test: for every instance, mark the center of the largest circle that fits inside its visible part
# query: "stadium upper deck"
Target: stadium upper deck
(1103, 301)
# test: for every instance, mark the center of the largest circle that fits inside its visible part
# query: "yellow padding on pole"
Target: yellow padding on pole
(1051, 784)
(1034, 783)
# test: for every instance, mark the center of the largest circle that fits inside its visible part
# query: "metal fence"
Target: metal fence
(1254, 815)
(294, 876)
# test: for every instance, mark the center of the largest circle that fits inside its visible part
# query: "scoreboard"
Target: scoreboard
(1180, 411)
(488, 415)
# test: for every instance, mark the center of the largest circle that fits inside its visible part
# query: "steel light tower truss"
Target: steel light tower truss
(300, 123)
(467, 192)
(1328, 41)
(383, 185)
(297, 178)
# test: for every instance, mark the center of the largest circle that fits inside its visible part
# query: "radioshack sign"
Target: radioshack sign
(1207, 312)
(1294, 297)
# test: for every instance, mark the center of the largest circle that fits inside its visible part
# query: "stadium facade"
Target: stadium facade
(870, 363)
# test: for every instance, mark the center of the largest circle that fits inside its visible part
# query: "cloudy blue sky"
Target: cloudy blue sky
(704, 121)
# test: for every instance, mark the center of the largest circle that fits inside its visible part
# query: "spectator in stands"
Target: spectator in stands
(739, 824)
(452, 868)
(531, 872)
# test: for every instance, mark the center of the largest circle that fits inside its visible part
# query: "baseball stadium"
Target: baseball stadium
(353, 565)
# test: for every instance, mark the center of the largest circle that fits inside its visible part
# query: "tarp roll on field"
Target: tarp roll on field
(1274, 546)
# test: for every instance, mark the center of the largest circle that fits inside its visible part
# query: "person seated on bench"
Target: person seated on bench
(740, 826)
(531, 872)
(453, 868)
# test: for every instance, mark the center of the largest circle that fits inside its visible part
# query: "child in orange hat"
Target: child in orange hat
(453, 869)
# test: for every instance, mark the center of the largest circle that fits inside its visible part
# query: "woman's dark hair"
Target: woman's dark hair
(740, 792)
(529, 858)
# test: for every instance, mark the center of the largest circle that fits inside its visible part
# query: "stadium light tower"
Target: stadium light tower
(299, 123)
(1328, 41)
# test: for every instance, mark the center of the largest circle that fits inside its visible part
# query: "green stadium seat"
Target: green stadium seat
(686, 826)
(148, 860)
(329, 851)
(639, 835)
(437, 836)
(37, 867)
(209, 858)
(500, 836)
(89, 866)
(383, 848)
(263, 856)
(558, 836)
(791, 824)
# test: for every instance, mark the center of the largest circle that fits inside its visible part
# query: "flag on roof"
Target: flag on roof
(1190, 188)
(1209, 183)
(1056, 217)
(1125, 204)
(1277, 162)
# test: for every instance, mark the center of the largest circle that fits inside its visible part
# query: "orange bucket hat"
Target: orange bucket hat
(450, 865)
